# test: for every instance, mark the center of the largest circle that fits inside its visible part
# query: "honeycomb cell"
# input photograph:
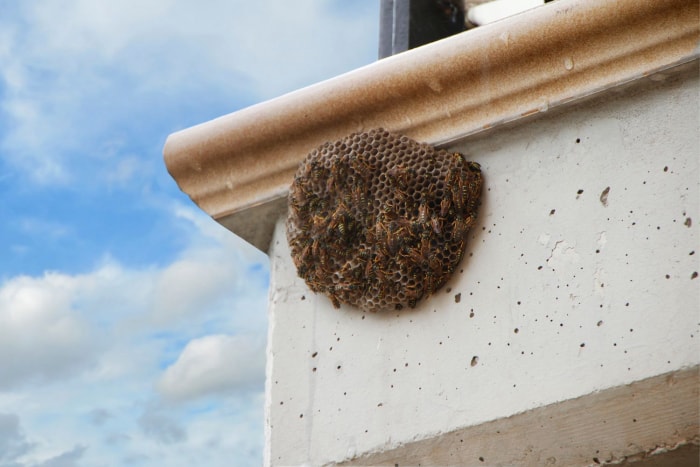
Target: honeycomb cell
(378, 221)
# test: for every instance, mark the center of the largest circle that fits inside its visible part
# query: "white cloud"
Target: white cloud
(231, 429)
(227, 39)
(126, 169)
(109, 365)
(192, 285)
(99, 416)
(65, 459)
(15, 447)
(76, 72)
(13, 442)
(56, 325)
(162, 428)
(45, 229)
(117, 356)
(216, 364)
(41, 338)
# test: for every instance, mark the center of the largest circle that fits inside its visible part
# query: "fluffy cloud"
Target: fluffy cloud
(189, 285)
(132, 350)
(99, 416)
(114, 360)
(98, 73)
(66, 459)
(161, 427)
(13, 442)
(214, 364)
(41, 337)
(56, 325)
(229, 39)
(14, 446)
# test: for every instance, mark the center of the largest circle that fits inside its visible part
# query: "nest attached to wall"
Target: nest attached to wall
(379, 221)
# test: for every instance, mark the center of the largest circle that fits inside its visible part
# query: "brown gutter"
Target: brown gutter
(237, 167)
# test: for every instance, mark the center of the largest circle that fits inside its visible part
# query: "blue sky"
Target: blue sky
(132, 326)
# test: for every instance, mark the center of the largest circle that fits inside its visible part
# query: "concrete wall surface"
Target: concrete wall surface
(580, 276)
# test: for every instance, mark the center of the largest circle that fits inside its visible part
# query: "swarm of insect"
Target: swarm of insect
(378, 221)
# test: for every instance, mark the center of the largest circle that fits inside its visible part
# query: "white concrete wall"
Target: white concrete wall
(561, 293)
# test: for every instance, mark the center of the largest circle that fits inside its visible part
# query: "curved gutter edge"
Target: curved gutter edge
(237, 167)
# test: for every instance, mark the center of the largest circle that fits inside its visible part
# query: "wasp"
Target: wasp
(410, 227)
(301, 195)
(474, 166)
(338, 220)
(429, 282)
(398, 176)
(421, 256)
(364, 168)
(370, 236)
(303, 222)
(346, 287)
(425, 246)
(358, 196)
(423, 212)
(381, 292)
(380, 260)
(326, 253)
(388, 209)
(317, 251)
(369, 268)
(459, 228)
(339, 169)
(314, 283)
(456, 191)
(380, 273)
(306, 169)
(393, 239)
(317, 204)
(334, 299)
(430, 195)
(436, 224)
(305, 246)
(444, 207)
(379, 228)
(323, 267)
(474, 190)
(330, 182)
(302, 269)
(414, 294)
(319, 221)
(316, 169)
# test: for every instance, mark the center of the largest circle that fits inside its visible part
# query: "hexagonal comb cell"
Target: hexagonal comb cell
(379, 221)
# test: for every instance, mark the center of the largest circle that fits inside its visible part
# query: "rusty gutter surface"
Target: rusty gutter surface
(237, 168)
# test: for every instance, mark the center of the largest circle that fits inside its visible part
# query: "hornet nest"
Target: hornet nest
(378, 221)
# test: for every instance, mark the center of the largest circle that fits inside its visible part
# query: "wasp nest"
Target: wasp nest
(378, 221)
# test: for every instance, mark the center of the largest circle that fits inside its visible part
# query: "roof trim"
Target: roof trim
(238, 167)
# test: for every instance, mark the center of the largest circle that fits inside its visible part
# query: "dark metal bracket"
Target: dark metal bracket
(406, 24)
